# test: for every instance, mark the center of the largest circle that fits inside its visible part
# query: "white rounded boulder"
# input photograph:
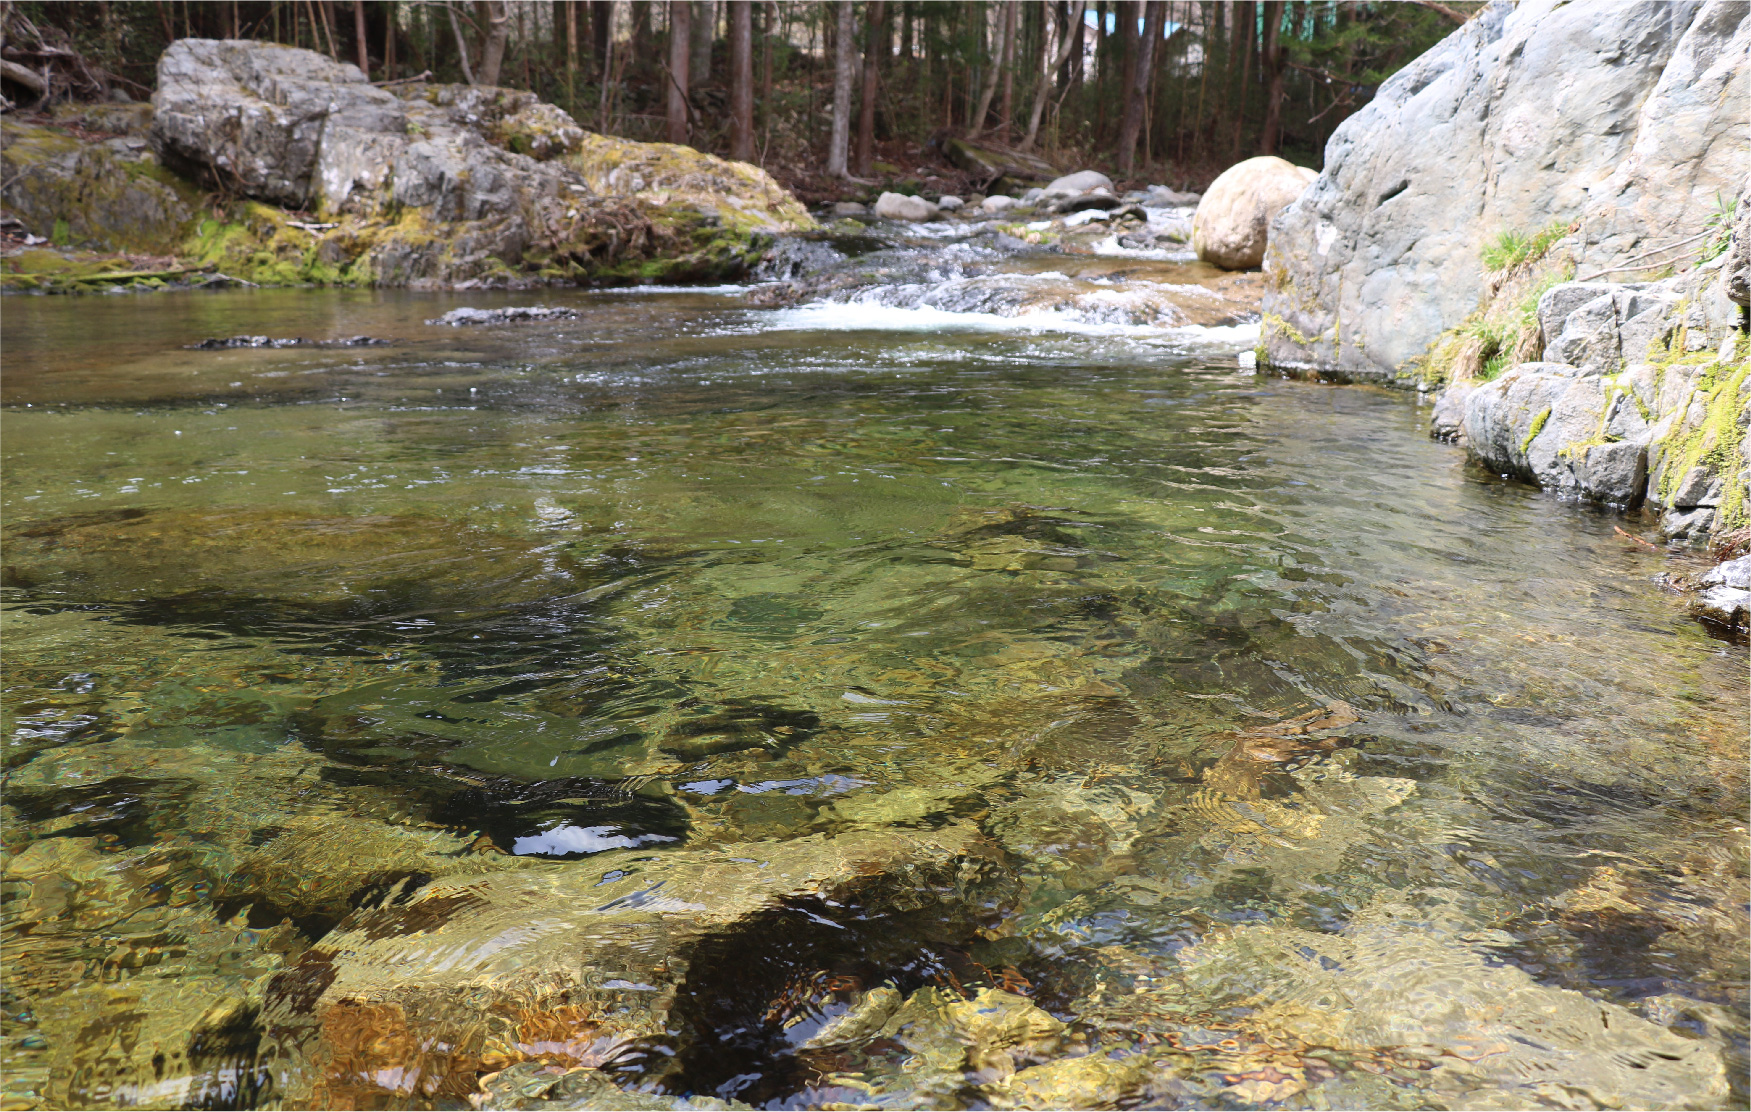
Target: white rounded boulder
(899, 206)
(1235, 213)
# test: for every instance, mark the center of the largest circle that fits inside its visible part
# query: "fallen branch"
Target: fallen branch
(25, 76)
(1645, 254)
(1618, 529)
(126, 275)
(1457, 17)
(403, 80)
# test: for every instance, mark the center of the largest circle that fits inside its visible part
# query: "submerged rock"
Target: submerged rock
(215, 344)
(1234, 216)
(137, 555)
(568, 965)
(469, 315)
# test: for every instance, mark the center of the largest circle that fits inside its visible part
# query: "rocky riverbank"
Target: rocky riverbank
(271, 165)
(1547, 221)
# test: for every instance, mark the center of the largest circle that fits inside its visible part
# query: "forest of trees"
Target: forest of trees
(1168, 90)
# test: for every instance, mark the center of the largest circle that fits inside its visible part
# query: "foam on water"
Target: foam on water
(864, 316)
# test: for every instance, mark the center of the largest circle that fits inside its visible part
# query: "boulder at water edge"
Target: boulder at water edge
(1620, 120)
(1083, 181)
(898, 206)
(450, 185)
(1234, 216)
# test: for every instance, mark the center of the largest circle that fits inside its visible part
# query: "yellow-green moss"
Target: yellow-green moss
(1537, 427)
(1714, 443)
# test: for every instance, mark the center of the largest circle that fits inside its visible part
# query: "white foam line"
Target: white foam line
(828, 316)
(724, 289)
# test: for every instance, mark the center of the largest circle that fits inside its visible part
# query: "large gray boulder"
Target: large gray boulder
(447, 184)
(272, 122)
(1642, 394)
(1623, 119)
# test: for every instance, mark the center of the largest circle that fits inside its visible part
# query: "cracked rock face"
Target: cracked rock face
(1625, 119)
(446, 184)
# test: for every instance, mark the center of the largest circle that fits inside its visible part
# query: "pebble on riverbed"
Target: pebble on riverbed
(214, 343)
(466, 315)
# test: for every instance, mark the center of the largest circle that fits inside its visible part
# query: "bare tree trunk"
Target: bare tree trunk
(1130, 12)
(601, 31)
(1271, 62)
(1138, 93)
(1072, 38)
(461, 43)
(875, 46)
(769, 17)
(1011, 34)
(741, 14)
(1245, 33)
(993, 70)
(680, 27)
(498, 33)
(363, 39)
(844, 62)
(392, 30)
(701, 35)
(571, 42)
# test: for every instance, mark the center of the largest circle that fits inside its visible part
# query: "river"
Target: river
(1323, 769)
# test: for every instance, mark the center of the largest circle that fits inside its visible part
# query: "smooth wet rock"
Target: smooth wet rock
(1622, 119)
(217, 344)
(997, 204)
(1726, 605)
(540, 1087)
(1233, 220)
(1735, 573)
(1092, 1081)
(1447, 422)
(1159, 196)
(477, 964)
(1680, 525)
(898, 206)
(1082, 202)
(850, 208)
(1083, 181)
(950, 203)
(469, 315)
(136, 555)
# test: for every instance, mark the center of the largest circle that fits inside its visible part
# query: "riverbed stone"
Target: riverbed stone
(1735, 573)
(899, 206)
(1232, 223)
(1083, 181)
(1728, 606)
(567, 963)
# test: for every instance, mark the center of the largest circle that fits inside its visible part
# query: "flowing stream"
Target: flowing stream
(1325, 770)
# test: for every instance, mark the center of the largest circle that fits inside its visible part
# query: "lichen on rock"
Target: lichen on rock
(427, 186)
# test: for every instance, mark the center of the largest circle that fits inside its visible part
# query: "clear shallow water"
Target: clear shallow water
(1323, 770)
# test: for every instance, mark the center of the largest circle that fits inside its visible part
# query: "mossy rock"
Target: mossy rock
(112, 195)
